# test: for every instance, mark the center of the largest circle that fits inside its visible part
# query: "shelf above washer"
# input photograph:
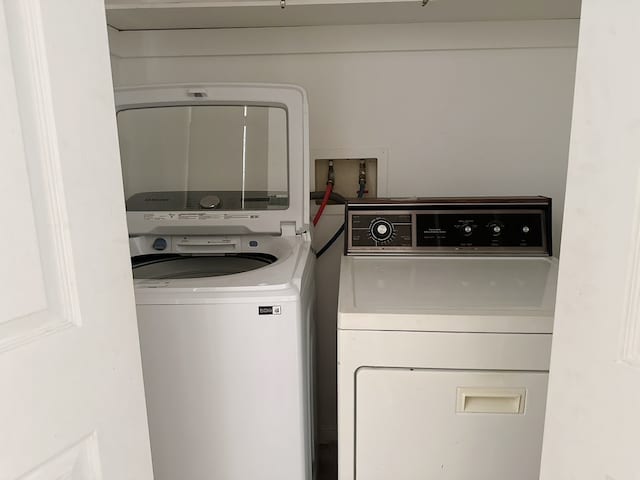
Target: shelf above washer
(164, 14)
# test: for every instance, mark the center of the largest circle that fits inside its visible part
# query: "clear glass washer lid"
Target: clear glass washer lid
(204, 157)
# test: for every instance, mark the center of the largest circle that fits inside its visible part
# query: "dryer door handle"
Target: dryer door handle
(490, 400)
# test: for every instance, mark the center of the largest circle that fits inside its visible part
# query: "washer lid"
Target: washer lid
(448, 294)
(216, 158)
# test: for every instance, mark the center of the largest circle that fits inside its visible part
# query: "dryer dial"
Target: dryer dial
(496, 228)
(381, 230)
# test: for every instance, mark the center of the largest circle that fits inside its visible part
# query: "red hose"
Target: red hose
(325, 200)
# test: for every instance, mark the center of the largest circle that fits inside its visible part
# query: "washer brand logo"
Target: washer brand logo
(269, 310)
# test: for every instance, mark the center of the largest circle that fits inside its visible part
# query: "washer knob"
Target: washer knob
(210, 201)
(497, 229)
(525, 229)
(381, 230)
(467, 229)
(159, 244)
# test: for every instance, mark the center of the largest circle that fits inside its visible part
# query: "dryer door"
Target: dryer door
(416, 424)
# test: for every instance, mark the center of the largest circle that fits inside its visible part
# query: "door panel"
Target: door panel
(32, 306)
(72, 402)
(80, 461)
(631, 321)
(593, 420)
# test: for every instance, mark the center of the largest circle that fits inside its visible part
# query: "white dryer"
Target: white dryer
(443, 360)
(216, 182)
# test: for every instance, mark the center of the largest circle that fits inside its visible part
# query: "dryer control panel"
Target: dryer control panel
(445, 226)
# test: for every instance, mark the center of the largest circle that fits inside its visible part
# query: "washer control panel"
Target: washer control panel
(492, 226)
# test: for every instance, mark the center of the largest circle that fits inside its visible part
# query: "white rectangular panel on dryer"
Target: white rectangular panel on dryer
(415, 424)
(448, 294)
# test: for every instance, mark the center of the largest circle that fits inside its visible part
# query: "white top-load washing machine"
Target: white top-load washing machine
(216, 182)
(444, 334)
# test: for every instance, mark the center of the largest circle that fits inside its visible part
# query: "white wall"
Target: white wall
(463, 109)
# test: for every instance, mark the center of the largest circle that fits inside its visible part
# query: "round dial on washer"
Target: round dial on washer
(381, 230)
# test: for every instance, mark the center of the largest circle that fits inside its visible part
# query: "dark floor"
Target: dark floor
(327, 461)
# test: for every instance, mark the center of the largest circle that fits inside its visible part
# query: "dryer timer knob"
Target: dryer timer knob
(381, 230)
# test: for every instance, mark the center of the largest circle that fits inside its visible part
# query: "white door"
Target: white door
(71, 396)
(593, 412)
